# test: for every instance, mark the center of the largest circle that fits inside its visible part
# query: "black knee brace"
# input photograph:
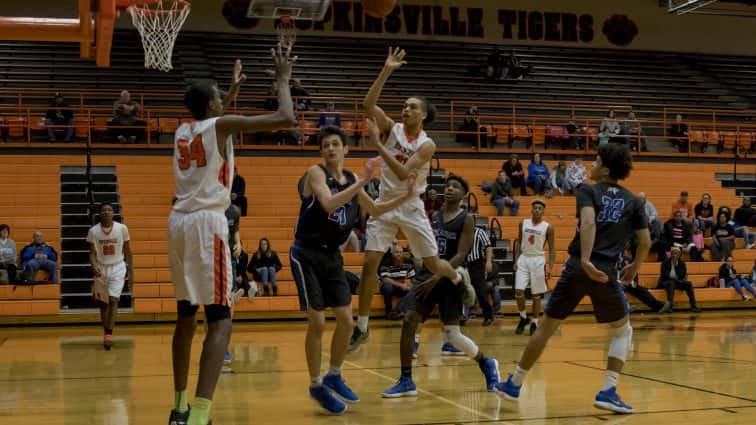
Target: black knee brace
(186, 309)
(217, 312)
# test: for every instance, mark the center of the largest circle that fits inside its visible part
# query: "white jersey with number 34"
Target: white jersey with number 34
(203, 177)
(402, 147)
(108, 243)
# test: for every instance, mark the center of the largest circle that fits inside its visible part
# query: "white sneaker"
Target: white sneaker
(252, 290)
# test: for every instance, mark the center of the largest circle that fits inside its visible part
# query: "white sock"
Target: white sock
(333, 370)
(610, 380)
(460, 341)
(523, 314)
(518, 376)
(316, 381)
(362, 323)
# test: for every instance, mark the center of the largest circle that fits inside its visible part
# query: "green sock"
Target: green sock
(181, 405)
(200, 413)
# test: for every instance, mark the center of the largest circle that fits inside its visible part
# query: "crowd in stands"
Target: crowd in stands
(22, 268)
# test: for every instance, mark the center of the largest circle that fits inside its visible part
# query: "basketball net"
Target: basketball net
(287, 32)
(158, 23)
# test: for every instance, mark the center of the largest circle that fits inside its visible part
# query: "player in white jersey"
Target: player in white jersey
(530, 263)
(110, 258)
(199, 254)
(405, 148)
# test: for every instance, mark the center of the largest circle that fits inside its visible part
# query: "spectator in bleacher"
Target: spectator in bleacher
(513, 168)
(576, 175)
(59, 114)
(653, 218)
(264, 265)
(704, 212)
(238, 188)
(753, 273)
(538, 175)
(722, 238)
(744, 217)
(678, 133)
(494, 65)
(558, 180)
(126, 113)
(241, 278)
(396, 280)
(633, 287)
(575, 132)
(502, 195)
(300, 95)
(684, 207)
(515, 68)
(329, 116)
(609, 129)
(677, 234)
(673, 276)
(732, 279)
(7, 253)
(698, 239)
(39, 256)
(655, 227)
(633, 132)
(469, 128)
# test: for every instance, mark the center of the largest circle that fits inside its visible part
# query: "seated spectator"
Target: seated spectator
(241, 279)
(684, 207)
(300, 95)
(538, 175)
(673, 276)
(126, 113)
(609, 129)
(39, 256)
(722, 239)
(238, 188)
(469, 128)
(633, 288)
(513, 168)
(396, 280)
(59, 114)
(576, 175)
(745, 216)
(329, 116)
(655, 227)
(704, 213)
(515, 68)
(678, 133)
(753, 273)
(732, 279)
(698, 239)
(677, 234)
(264, 265)
(633, 133)
(558, 180)
(502, 195)
(7, 253)
(576, 133)
(494, 65)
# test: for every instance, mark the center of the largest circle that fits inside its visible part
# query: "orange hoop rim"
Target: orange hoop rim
(136, 4)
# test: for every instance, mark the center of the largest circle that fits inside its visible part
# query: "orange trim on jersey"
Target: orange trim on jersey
(223, 174)
(410, 138)
(112, 226)
(216, 269)
(224, 274)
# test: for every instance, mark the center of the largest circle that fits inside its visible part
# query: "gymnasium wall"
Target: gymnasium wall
(620, 24)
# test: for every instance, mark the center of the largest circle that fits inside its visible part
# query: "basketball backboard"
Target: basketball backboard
(296, 9)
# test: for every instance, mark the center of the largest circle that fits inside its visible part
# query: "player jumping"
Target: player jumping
(611, 211)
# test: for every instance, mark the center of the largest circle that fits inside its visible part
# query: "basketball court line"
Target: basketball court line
(428, 393)
(660, 381)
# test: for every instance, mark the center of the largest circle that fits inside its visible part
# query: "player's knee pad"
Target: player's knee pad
(217, 312)
(186, 309)
(455, 336)
(622, 338)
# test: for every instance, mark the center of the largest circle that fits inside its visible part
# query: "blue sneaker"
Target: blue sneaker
(415, 347)
(227, 358)
(449, 350)
(508, 389)
(327, 401)
(404, 387)
(610, 400)
(336, 384)
(490, 370)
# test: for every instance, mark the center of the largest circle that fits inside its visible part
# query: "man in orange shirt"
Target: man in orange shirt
(685, 208)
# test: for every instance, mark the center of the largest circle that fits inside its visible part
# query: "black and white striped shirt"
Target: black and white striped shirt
(481, 241)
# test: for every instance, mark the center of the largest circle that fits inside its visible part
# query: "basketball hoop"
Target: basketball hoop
(158, 23)
(286, 30)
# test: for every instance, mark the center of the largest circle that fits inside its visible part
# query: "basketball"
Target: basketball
(378, 8)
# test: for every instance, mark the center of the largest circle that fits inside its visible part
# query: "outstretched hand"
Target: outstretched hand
(282, 61)
(395, 59)
(370, 168)
(374, 133)
(237, 77)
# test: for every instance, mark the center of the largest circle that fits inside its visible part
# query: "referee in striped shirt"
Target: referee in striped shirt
(479, 265)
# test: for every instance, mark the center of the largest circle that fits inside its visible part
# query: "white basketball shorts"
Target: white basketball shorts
(531, 270)
(200, 257)
(110, 282)
(411, 219)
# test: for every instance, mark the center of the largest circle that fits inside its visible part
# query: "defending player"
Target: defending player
(332, 198)
(110, 257)
(611, 211)
(198, 250)
(405, 148)
(453, 228)
(530, 263)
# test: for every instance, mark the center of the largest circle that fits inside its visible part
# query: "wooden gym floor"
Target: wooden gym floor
(683, 370)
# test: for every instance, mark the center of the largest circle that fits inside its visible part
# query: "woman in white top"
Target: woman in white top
(7, 253)
(110, 256)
